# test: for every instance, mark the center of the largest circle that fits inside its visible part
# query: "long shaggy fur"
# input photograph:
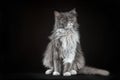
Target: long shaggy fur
(64, 44)
(48, 56)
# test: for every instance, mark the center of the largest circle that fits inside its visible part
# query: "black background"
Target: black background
(26, 25)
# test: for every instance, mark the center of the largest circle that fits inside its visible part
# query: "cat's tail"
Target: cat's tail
(93, 71)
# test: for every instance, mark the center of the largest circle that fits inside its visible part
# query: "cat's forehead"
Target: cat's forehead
(66, 15)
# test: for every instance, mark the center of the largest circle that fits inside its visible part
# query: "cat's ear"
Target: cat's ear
(56, 13)
(73, 11)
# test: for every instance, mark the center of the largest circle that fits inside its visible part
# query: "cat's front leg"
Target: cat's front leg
(73, 72)
(67, 69)
(56, 68)
(70, 71)
(56, 61)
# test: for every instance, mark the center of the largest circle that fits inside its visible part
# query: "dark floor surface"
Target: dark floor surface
(34, 76)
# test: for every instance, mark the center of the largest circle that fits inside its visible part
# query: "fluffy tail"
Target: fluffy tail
(93, 71)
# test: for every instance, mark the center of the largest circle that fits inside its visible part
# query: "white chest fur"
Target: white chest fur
(69, 39)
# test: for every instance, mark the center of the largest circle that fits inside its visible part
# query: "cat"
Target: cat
(64, 54)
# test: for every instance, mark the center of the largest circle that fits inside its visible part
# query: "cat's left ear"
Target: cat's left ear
(56, 13)
(73, 11)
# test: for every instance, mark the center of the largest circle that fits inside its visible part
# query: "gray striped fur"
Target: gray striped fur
(64, 53)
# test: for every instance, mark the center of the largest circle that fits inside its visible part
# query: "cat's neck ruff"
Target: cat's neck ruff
(69, 38)
(62, 32)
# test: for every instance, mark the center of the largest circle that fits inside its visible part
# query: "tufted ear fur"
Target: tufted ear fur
(56, 13)
(73, 11)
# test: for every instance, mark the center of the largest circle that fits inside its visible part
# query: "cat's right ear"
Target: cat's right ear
(56, 13)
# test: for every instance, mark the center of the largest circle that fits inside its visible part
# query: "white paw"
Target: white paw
(67, 74)
(73, 72)
(55, 73)
(49, 71)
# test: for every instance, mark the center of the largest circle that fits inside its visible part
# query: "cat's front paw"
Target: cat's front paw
(67, 74)
(55, 73)
(49, 71)
(73, 72)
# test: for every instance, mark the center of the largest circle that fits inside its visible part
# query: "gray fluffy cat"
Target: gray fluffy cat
(64, 54)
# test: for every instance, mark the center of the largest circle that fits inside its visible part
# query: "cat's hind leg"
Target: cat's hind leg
(49, 71)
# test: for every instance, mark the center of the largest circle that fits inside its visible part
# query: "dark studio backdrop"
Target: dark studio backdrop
(25, 27)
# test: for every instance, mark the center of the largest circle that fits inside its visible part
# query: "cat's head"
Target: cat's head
(65, 20)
